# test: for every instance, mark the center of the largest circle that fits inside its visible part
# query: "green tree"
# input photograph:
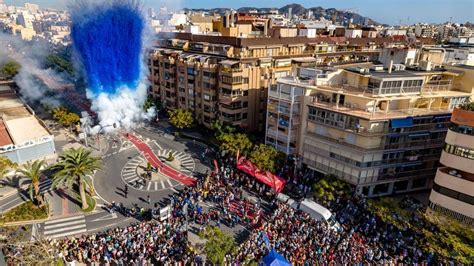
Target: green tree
(34, 171)
(10, 68)
(221, 128)
(72, 168)
(5, 165)
(218, 245)
(180, 118)
(233, 142)
(265, 157)
(64, 117)
(61, 63)
(329, 187)
(151, 102)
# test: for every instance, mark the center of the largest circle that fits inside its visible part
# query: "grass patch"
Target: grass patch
(25, 212)
(90, 201)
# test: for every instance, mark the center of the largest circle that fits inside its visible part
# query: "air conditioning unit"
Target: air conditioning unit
(377, 67)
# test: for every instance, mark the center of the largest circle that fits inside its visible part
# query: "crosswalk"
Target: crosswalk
(131, 177)
(186, 162)
(65, 227)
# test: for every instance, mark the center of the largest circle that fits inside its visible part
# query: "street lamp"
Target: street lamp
(100, 130)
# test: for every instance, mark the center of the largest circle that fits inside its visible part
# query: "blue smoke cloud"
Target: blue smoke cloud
(107, 37)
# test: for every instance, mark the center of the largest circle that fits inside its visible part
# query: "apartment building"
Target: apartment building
(379, 129)
(453, 188)
(226, 78)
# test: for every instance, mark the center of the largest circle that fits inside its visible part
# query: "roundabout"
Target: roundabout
(136, 174)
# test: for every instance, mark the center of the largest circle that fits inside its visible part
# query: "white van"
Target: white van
(319, 213)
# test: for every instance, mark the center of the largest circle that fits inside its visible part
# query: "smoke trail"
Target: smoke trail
(107, 38)
(30, 55)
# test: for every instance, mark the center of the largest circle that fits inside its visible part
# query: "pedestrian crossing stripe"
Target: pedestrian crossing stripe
(65, 227)
(149, 185)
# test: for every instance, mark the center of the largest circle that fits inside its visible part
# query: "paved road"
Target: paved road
(156, 162)
(21, 196)
(80, 224)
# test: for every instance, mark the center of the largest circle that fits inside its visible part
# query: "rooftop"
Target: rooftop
(16, 128)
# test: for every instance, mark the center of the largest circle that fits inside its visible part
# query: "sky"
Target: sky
(383, 11)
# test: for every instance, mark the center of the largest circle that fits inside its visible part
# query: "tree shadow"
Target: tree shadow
(64, 194)
(13, 181)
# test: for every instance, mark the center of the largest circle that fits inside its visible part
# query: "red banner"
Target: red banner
(267, 178)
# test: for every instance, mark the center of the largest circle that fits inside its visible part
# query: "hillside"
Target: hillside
(297, 9)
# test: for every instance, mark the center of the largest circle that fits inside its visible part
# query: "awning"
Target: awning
(267, 178)
(305, 59)
(442, 116)
(228, 63)
(402, 122)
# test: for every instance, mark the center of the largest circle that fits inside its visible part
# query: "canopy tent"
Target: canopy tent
(274, 259)
(265, 177)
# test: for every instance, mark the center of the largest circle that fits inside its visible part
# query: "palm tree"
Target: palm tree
(72, 167)
(34, 171)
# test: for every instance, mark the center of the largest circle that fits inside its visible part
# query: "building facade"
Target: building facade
(226, 78)
(453, 188)
(378, 129)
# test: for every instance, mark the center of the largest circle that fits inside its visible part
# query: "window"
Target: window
(209, 74)
(190, 71)
(246, 93)
(459, 151)
(244, 116)
(206, 97)
(246, 104)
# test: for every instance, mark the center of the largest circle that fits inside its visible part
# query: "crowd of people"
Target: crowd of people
(302, 240)
(145, 243)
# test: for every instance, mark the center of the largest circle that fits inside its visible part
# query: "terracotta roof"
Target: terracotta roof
(4, 136)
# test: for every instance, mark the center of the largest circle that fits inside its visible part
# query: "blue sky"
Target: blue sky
(384, 11)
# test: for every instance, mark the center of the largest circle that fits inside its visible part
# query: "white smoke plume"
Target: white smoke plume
(30, 56)
(121, 110)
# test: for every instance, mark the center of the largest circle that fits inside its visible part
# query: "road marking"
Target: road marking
(130, 181)
(169, 182)
(67, 233)
(52, 226)
(149, 186)
(141, 187)
(106, 217)
(162, 184)
(63, 220)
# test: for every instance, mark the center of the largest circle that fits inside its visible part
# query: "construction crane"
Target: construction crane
(350, 9)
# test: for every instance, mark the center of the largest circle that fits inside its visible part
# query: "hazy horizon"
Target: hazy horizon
(388, 11)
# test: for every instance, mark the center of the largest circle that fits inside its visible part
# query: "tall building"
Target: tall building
(453, 188)
(380, 129)
(226, 78)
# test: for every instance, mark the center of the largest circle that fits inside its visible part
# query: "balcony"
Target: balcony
(455, 180)
(459, 139)
(436, 86)
(457, 162)
(280, 96)
(354, 110)
(231, 71)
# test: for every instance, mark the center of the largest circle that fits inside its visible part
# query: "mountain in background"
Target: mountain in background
(341, 16)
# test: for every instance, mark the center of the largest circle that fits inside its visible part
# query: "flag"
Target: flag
(216, 170)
